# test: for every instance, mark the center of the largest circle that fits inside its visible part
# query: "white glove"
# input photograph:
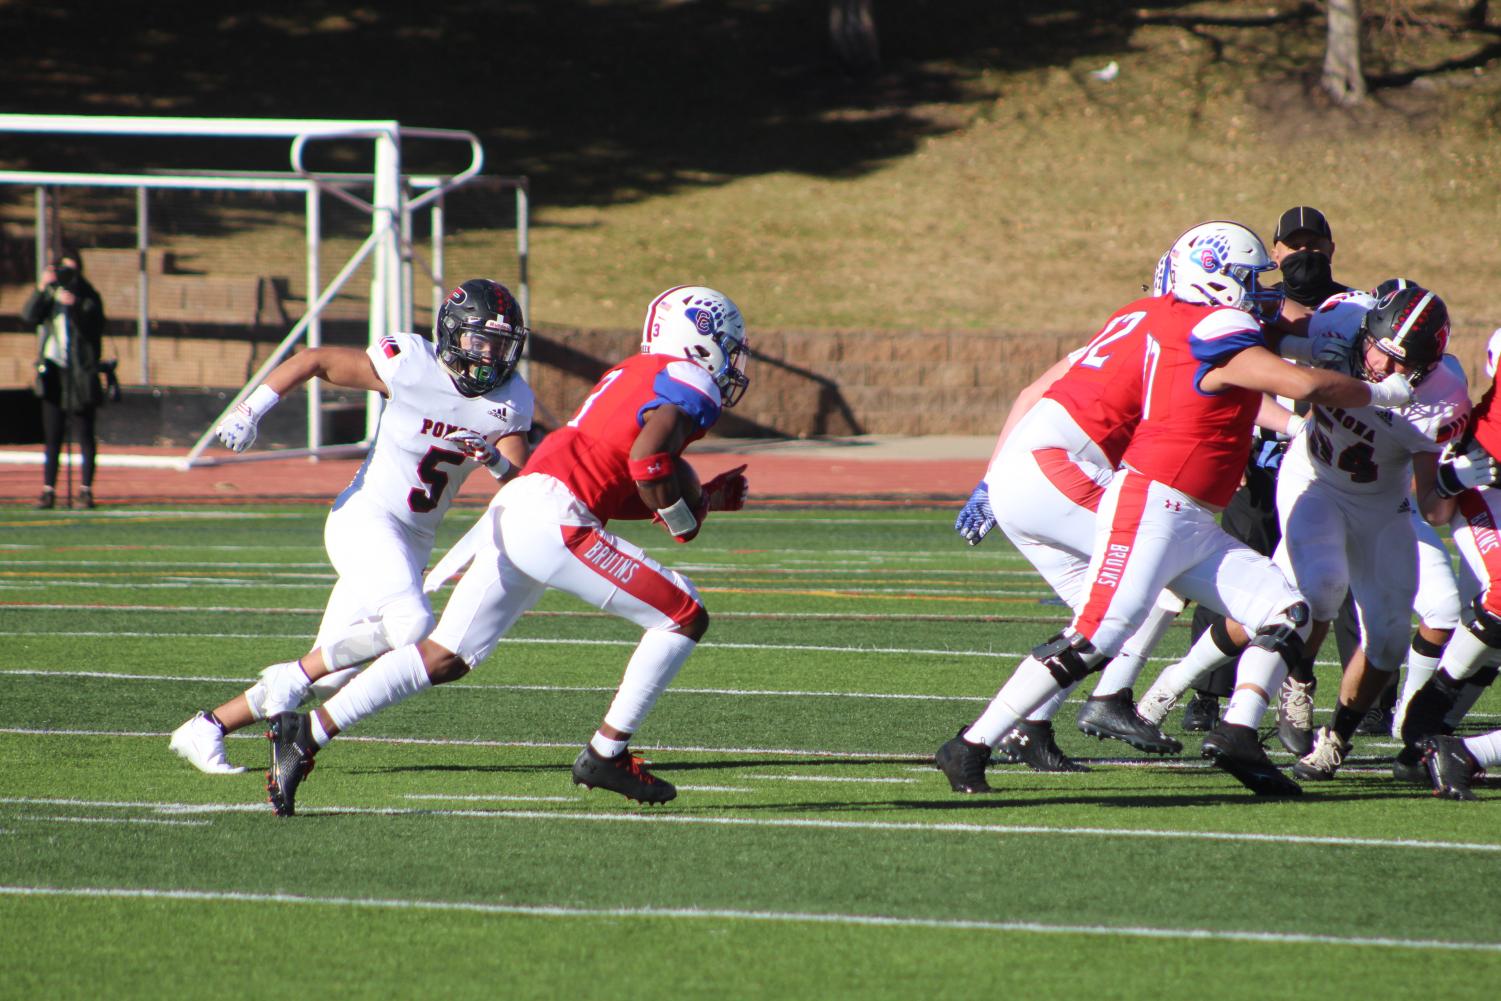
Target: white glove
(477, 448)
(1473, 467)
(1392, 392)
(237, 431)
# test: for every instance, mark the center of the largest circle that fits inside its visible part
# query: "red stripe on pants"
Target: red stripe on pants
(1065, 474)
(1487, 542)
(1129, 505)
(630, 574)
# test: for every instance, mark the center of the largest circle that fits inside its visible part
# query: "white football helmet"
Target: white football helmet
(703, 326)
(1217, 264)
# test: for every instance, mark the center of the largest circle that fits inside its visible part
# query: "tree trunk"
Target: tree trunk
(852, 30)
(1343, 78)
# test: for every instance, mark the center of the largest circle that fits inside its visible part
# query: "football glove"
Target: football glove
(975, 518)
(237, 430)
(1474, 467)
(1392, 392)
(475, 447)
(727, 491)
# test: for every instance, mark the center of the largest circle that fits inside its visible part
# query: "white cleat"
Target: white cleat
(1155, 704)
(201, 743)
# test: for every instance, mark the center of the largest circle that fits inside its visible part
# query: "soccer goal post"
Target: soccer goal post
(387, 253)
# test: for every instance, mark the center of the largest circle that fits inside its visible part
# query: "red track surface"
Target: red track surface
(878, 476)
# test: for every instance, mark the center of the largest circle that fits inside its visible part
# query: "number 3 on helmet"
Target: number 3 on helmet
(703, 326)
(480, 333)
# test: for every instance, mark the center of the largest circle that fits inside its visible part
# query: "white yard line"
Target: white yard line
(665, 816)
(781, 917)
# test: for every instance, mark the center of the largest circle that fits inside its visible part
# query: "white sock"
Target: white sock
(320, 735)
(1465, 654)
(1030, 686)
(1123, 671)
(394, 677)
(1486, 748)
(283, 687)
(1202, 659)
(1420, 667)
(607, 747)
(1049, 709)
(1262, 669)
(652, 667)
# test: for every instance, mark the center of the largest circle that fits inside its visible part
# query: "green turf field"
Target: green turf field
(440, 849)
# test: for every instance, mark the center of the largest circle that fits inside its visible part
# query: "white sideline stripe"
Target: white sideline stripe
(825, 778)
(795, 823)
(118, 820)
(726, 914)
(456, 798)
(684, 788)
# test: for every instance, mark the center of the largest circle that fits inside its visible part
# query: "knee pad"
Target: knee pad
(1487, 626)
(1070, 659)
(1285, 634)
(405, 622)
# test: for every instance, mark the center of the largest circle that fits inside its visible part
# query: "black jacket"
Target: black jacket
(82, 388)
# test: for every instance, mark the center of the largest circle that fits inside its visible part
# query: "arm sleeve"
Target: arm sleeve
(687, 387)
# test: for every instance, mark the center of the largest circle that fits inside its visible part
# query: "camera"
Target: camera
(111, 381)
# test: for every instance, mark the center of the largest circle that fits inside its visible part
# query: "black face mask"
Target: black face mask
(1307, 279)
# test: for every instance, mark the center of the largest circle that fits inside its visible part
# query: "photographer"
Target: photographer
(69, 316)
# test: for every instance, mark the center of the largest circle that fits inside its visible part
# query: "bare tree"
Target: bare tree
(1343, 78)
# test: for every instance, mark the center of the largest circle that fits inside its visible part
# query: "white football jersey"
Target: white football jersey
(411, 472)
(1368, 450)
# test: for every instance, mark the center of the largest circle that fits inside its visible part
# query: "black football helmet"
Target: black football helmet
(480, 333)
(1411, 324)
(1392, 285)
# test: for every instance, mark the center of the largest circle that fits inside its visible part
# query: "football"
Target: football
(688, 481)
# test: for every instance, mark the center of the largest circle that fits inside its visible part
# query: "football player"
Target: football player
(1207, 366)
(1473, 650)
(619, 457)
(1058, 450)
(1349, 482)
(453, 405)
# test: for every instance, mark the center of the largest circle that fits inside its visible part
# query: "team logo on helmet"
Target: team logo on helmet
(458, 296)
(702, 319)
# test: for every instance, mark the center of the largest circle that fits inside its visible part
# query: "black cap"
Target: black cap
(1302, 217)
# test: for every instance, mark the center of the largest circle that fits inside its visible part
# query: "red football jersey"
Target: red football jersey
(1189, 439)
(1487, 422)
(1101, 390)
(591, 454)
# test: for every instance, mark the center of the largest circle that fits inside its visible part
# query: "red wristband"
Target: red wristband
(657, 466)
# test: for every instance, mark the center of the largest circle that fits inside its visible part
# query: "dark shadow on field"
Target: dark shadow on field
(597, 101)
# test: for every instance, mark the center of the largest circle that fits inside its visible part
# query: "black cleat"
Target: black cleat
(1451, 767)
(292, 751)
(1237, 749)
(1201, 713)
(1429, 705)
(1115, 717)
(625, 773)
(1032, 743)
(1409, 767)
(963, 764)
(1377, 722)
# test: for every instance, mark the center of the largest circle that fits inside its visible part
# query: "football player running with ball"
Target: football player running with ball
(619, 457)
(453, 405)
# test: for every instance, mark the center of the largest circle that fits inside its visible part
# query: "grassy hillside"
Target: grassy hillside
(981, 179)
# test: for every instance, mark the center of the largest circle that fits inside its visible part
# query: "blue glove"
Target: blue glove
(975, 518)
